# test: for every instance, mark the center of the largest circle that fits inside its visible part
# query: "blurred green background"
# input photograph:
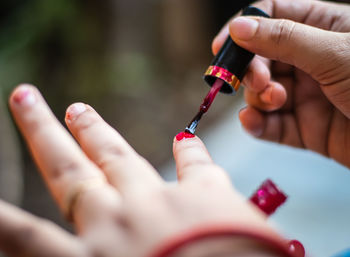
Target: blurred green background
(138, 63)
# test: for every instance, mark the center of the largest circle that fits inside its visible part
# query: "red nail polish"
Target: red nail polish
(268, 197)
(296, 248)
(183, 135)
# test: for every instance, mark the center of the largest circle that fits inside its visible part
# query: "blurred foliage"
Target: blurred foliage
(24, 28)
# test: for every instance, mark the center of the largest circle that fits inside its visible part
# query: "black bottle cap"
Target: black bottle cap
(232, 61)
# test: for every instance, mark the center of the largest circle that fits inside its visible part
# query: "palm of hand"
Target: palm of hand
(308, 119)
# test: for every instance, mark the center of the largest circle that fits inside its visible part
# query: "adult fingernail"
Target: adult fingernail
(183, 135)
(256, 132)
(75, 110)
(266, 95)
(24, 96)
(244, 28)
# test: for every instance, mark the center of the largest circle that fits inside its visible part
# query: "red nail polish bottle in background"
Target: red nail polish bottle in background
(268, 198)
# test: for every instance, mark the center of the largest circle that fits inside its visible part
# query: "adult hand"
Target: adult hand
(120, 205)
(302, 97)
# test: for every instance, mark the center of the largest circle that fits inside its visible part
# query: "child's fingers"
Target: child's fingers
(275, 127)
(22, 234)
(194, 164)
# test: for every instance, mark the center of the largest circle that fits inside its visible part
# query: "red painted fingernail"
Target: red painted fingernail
(296, 248)
(183, 135)
(24, 96)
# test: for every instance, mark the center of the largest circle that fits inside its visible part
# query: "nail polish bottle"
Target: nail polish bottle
(268, 198)
(226, 71)
(232, 61)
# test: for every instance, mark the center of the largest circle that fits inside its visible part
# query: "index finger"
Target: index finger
(193, 161)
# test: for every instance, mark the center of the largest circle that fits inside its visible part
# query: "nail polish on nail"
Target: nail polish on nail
(24, 96)
(75, 110)
(183, 135)
(244, 28)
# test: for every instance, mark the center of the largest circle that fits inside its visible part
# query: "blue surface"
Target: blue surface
(344, 254)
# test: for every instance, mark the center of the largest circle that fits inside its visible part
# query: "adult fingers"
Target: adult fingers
(22, 234)
(310, 49)
(193, 162)
(315, 13)
(66, 170)
(320, 53)
(123, 167)
(275, 127)
(258, 75)
(271, 98)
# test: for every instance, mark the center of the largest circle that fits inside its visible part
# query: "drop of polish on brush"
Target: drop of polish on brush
(183, 135)
(296, 248)
(204, 107)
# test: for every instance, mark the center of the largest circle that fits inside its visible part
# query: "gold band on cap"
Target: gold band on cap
(225, 75)
(78, 190)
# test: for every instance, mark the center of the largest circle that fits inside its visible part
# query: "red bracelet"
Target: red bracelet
(178, 242)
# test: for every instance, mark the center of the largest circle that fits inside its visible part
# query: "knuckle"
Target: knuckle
(191, 164)
(112, 153)
(216, 175)
(64, 167)
(282, 31)
(86, 121)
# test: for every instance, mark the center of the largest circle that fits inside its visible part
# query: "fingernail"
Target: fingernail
(183, 135)
(24, 96)
(75, 110)
(244, 28)
(266, 95)
(256, 132)
(241, 111)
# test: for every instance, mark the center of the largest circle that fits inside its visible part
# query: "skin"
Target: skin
(301, 97)
(129, 211)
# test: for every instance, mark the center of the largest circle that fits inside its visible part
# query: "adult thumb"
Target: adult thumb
(313, 50)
